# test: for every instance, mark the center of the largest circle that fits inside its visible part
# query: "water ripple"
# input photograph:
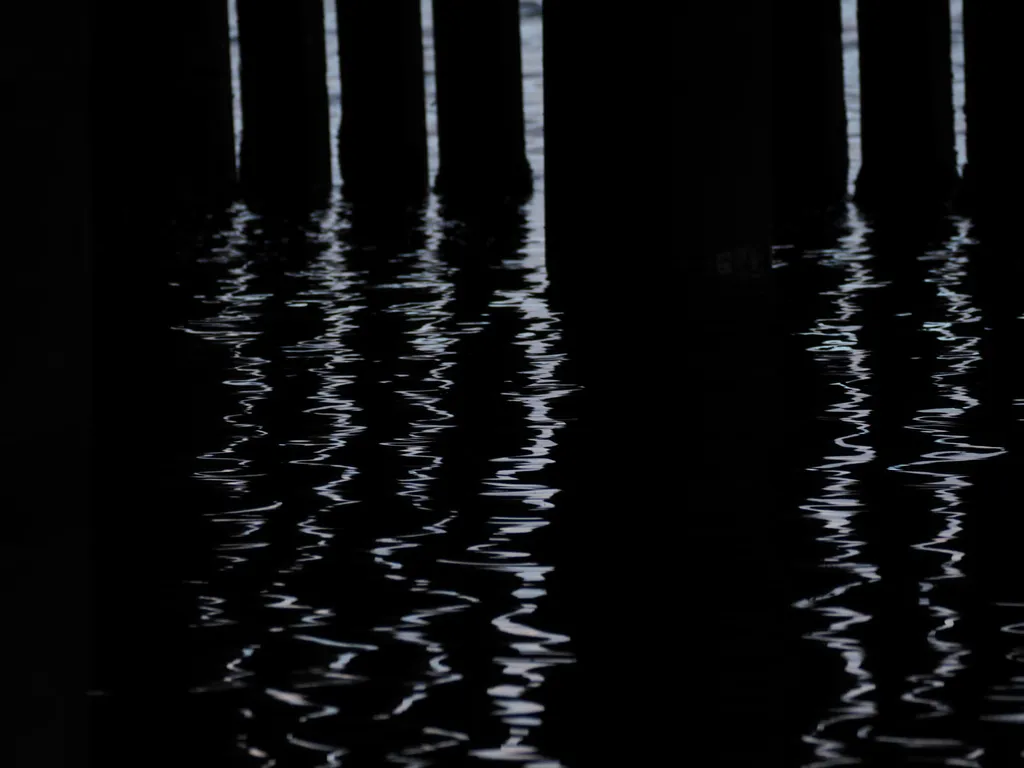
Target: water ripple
(352, 353)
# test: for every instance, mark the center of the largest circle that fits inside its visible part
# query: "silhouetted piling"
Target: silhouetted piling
(722, 321)
(175, 111)
(808, 110)
(286, 156)
(906, 80)
(658, 206)
(480, 100)
(721, 178)
(995, 153)
(605, 148)
(140, 143)
(199, 106)
(383, 141)
(674, 164)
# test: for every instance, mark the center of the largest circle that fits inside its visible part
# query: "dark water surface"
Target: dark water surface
(374, 494)
(397, 550)
(374, 484)
(907, 349)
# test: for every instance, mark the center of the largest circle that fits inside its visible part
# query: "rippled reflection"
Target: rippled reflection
(959, 352)
(842, 361)
(897, 508)
(375, 477)
(380, 483)
(380, 399)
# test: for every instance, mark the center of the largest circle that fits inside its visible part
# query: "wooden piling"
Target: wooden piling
(383, 139)
(605, 143)
(808, 110)
(906, 81)
(658, 215)
(175, 117)
(285, 156)
(995, 153)
(480, 101)
(658, 158)
(137, 220)
(721, 173)
(197, 63)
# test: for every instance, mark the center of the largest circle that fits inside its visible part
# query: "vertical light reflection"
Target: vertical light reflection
(851, 79)
(430, 86)
(937, 422)
(234, 324)
(326, 290)
(507, 548)
(313, 649)
(421, 295)
(431, 334)
(956, 17)
(329, 356)
(310, 658)
(236, 78)
(958, 332)
(539, 339)
(843, 364)
(333, 85)
(534, 651)
(428, 293)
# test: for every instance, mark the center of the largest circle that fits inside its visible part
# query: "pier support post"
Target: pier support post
(140, 143)
(811, 159)
(383, 141)
(721, 144)
(606, 141)
(995, 154)
(172, 113)
(197, 61)
(286, 155)
(481, 129)
(672, 156)
(658, 195)
(906, 81)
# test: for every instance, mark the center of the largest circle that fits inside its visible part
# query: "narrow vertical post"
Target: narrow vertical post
(197, 63)
(175, 115)
(906, 81)
(811, 159)
(383, 139)
(286, 155)
(995, 155)
(480, 100)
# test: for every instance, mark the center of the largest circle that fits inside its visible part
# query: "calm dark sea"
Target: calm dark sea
(372, 474)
